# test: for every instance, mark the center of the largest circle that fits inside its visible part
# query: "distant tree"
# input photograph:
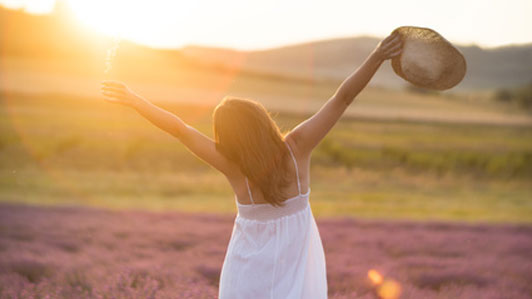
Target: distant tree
(522, 96)
(503, 95)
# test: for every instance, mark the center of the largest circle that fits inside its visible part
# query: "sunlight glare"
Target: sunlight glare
(242, 24)
(101, 17)
(33, 7)
(141, 21)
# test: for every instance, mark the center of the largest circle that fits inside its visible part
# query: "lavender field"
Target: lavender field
(81, 252)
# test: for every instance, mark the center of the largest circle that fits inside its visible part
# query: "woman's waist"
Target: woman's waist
(265, 212)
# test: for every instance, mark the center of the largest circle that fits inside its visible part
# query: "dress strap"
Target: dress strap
(249, 192)
(295, 165)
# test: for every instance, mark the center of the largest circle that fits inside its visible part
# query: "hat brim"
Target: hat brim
(428, 60)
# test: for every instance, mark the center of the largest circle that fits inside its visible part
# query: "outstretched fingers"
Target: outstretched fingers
(113, 89)
(113, 83)
(116, 92)
(112, 94)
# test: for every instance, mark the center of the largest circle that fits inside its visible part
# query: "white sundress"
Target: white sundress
(274, 252)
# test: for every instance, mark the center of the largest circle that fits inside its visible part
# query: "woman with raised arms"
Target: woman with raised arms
(275, 250)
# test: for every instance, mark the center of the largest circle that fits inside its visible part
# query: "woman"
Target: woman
(275, 249)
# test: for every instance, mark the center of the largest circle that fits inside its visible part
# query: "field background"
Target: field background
(70, 150)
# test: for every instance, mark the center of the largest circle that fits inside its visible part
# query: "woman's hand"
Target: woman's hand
(118, 92)
(389, 47)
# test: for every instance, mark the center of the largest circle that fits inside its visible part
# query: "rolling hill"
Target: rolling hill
(56, 37)
(487, 68)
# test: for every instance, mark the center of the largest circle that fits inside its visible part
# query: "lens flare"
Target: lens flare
(390, 289)
(375, 277)
(384, 288)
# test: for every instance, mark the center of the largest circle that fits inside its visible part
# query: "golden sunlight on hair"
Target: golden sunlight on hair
(246, 134)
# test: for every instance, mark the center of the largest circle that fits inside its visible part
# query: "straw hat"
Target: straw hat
(428, 60)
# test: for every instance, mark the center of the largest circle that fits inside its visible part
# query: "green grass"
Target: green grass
(56, 150)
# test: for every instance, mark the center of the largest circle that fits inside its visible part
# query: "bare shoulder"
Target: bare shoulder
(301, 153)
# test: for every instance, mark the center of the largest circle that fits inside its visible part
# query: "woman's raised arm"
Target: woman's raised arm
(198, 143)
(308, 134)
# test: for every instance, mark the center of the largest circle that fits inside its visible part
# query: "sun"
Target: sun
(143, 21)
(104, 17)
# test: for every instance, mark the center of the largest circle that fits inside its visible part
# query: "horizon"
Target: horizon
(327, 40)
(160, 31)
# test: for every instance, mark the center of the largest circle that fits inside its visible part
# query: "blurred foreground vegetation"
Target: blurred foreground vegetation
(59, 150)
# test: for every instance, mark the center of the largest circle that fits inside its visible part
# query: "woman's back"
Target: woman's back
(275, 252)
(240, 187)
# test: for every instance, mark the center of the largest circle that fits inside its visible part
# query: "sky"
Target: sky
(255, 25)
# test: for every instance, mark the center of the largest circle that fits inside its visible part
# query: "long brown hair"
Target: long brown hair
(246, 134)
